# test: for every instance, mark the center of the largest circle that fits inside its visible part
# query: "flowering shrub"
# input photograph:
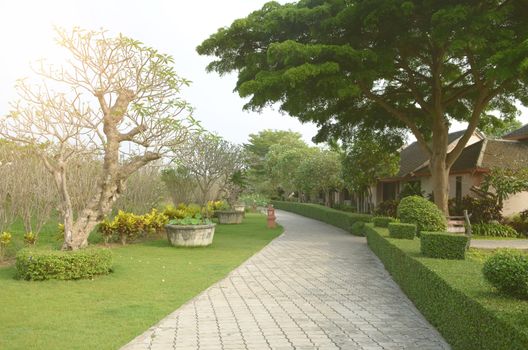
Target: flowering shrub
(128, 226)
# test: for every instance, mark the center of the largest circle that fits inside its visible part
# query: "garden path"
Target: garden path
(500, 243)
(314, 287)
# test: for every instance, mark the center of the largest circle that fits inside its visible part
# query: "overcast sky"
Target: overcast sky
(173, 27)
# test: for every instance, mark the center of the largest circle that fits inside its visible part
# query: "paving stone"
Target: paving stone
(315, 287)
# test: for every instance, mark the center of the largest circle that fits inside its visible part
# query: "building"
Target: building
(479, 156)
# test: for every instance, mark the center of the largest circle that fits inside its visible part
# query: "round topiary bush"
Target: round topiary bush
(41, 264)
(423, 213)
(507, 270)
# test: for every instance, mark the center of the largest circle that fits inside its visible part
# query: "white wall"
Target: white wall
(515, 204)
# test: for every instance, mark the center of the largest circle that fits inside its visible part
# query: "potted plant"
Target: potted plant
(190, 231)
(228, 215)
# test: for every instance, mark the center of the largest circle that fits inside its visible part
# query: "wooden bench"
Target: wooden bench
(460, 224)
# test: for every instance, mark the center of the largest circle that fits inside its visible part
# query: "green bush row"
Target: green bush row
(464, 322)
(443, 245)
(401, 230)
(382, 221)
(331, 216)
(38, 265)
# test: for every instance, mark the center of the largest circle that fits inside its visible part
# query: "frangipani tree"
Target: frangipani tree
(113, 94)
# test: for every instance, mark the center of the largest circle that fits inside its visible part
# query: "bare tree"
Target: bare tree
(211, 161)
(181, 185)
(7, 210)
(113, 94)
(144, 190)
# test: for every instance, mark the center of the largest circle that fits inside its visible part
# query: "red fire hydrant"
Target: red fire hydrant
(271, 217)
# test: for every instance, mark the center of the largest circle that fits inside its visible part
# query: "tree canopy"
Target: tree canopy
(382, 63)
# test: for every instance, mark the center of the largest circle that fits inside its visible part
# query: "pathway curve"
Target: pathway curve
(315, 287)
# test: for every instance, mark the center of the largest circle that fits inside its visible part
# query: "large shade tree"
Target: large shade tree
(384, 63)
(113, 95)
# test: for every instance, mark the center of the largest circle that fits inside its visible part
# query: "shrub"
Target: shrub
(5, 241)
(382, 221)
(36, 265)
(507, 270)
(331, 216)
(344, 207)
(30, 238)
(493, 229)
(387, 208)
(474, 325)
(358, 228)
(481, 209)
(126, 227)
(443, 245)
(421, 212)
(519, 222)
(401, 230)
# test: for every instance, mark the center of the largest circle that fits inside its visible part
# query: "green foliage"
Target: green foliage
(38, 265)
(413, 188)
(493, 229)
(507, 270)
(368, 155)
(382, 221)
(254, 199)
(437, 287)
(344, 207)
(358, 228)
(401, 230)
(504, 182)
(481, 209)
(197, 219)
(321, 171)
(519, 222)
(387, 208)
(443, 245)
(5, 241)
(334, 217)
(495, 128)
(127, 227)
(30, 238)
(421, 212)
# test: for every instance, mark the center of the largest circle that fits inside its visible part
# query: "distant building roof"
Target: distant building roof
(413, 156)
(487, 154)
(519, 134)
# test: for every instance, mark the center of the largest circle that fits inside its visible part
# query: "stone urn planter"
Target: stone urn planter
(229, 216)
(190, 235)
(240, 208)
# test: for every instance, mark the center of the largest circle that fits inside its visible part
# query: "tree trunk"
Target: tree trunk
(439, 168)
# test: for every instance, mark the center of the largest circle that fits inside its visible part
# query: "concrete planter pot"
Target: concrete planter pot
(229, 216)
(190, 235)
(240, 208)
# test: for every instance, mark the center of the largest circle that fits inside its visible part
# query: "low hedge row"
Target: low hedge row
(401, 230)
(331, 216)
(464, 322)
(443, 245)
(38, 265)
(382, 221)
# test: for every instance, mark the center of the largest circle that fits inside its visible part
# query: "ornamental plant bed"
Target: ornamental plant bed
(229, 216)
(190, 235)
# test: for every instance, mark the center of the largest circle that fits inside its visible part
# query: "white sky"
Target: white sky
(173, 27)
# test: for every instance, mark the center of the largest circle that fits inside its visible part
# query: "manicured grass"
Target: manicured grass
(150, 280)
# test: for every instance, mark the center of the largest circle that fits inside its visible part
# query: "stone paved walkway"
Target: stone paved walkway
(315, 287)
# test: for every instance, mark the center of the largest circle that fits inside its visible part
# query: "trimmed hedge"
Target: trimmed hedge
(402, 230)
(443, 245)
(465, 323)
(338, 218)
(507, 270)
(38, 265)
(358, 228)
(382, 221)
(421, 212)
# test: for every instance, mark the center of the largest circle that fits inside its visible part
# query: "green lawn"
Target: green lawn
(150, 280)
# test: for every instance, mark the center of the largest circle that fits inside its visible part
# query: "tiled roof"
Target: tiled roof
(487, 154)
(413, 156)
(521, 133)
